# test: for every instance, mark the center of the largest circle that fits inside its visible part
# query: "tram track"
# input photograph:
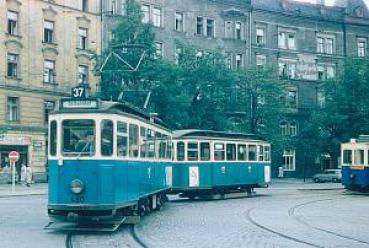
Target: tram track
(68, 240)
(136, 237)
(292, 213)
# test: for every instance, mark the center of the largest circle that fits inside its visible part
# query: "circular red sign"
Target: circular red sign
(13, 156)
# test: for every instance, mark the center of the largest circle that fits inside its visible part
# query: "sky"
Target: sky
(328, 2)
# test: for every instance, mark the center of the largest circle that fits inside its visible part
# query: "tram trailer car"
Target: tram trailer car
(208, 163)
(108, 162)
(355, 163)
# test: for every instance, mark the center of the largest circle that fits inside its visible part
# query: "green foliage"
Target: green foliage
(345, 111)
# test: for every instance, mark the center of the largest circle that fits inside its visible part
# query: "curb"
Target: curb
(21, 195)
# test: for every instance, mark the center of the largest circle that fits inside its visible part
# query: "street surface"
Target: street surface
(289, 214)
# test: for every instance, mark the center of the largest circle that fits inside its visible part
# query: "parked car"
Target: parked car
(329, 175)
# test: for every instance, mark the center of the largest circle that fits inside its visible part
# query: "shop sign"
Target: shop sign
(37, 145)
(15, 140)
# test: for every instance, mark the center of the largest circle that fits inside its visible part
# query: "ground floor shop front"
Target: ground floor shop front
(32, 149)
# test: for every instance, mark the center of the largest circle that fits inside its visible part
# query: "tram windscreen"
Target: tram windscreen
(79, 138)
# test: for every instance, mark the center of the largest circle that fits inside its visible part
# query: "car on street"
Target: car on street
(329, 175)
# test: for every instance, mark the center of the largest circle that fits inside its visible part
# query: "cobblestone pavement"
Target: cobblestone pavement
(285, 215)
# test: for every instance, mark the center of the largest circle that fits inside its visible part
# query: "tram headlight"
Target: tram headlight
(77, 186)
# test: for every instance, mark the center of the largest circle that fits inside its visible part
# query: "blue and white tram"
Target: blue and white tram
(355, 163)
(108, 162)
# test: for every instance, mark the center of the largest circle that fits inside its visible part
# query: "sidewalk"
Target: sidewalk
(299, 184)
(23, 190)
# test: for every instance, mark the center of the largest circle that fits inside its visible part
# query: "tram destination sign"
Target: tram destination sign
(79, 104)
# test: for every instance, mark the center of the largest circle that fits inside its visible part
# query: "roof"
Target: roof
(112, 108)
(190, 133)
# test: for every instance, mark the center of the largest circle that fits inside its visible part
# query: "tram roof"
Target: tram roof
(189, 133)
(109, 107)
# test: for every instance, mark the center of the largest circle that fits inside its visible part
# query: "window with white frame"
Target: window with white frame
(361, 47)
(291, 99)
(123, 8)
(289, 160)
(228, 60)
(238, 30)
(49, 71)
(200, 25)
(287, 68)
(179, 22)
(158, 50)
(48, 31)
(12, 109)
(156, 17)
(325, 44)
(82, 38)
(12, 61)
(239, 61)
(83, 74)
(326, 71)
(145, 9)
(260, 36)
(283, 126)
(287, 40)
(209, 27)
(228, 29)
(12, 22)
(260, 61)
(48, 107)
(293, 128)
(178, 55)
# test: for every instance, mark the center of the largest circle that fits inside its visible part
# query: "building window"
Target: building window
(361, 48)
(228, 29)
(178, 55)
(199, 25)
(289, 160)
(239, 61)
(320, 98)
(287, 69)
(49, 72)
(326, 72)
(84, 5)
(48, 107)
(83, 74)
(157, 17)
(123, 8)
(260, 61)
(12, 65)
(145, 13)
(283, 128)
(158, 50)
(228, 60)
(48, 32)
(291, 99)
(238, 30)
(12, 108)
(260, 37)
(179, 22)
(82, 38)
(325, 44)
(293, 128)
(209, 28)
(286, 40)
(12, 22)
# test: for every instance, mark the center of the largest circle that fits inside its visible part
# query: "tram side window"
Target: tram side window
(261, 153)
(53, 138)
(78, 138)
(231, 152)
(162, 149)
(169, 149)
(219, 153)
(359, 157)
(122, 140)
(143, 140)
(106, 138)
(133, 141)
(242, 153)
(267, 153)
(192, 151)
(180, 151)
(347, 157)
(205, 151)
(150, 143)
(252, 152)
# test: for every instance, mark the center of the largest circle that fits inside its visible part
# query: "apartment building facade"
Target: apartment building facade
(305, 44)
(47, 47)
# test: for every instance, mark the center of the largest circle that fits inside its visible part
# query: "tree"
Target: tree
(344, 112)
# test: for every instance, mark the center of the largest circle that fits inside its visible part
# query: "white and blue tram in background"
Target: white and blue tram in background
(208, 163)
(355, 163)
(107, 162)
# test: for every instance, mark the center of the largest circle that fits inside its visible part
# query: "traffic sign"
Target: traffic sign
(13, 156)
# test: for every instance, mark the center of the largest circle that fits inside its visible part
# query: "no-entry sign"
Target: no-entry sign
(13, 156)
